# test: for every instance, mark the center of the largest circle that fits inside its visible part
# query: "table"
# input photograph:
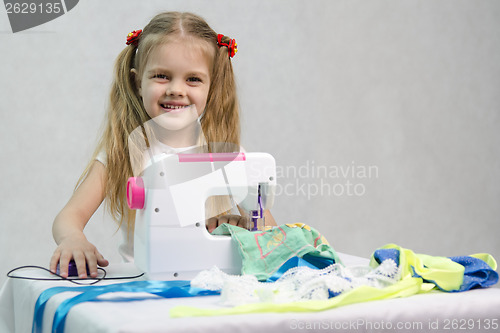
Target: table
(475, 310)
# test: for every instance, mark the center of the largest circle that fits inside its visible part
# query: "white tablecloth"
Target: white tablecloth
(437, 311)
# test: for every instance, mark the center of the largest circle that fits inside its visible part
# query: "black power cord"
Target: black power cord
(70, 279)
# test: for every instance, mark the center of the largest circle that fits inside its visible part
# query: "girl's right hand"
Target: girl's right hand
(84, 253)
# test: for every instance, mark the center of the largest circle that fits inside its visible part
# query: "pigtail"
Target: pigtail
(124, 91)
(221, 123)
(125, 113)
(122, 119)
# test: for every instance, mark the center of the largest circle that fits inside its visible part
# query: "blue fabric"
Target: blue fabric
(477, 274)
(318, 262)
(165, 289)
(42, 301)
(383, 254)
(307, 260)
(290, 263)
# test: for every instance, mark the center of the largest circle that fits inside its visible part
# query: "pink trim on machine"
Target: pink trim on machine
(212, 157)
(135, 193)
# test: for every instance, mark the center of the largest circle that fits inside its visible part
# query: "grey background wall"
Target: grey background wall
(383, 117)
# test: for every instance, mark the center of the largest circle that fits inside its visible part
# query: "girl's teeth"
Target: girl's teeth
(172, 106)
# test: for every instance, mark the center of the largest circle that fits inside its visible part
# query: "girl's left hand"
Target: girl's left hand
(236, 220)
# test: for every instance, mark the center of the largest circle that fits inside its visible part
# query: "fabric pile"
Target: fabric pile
(299, 271)
(292, 268)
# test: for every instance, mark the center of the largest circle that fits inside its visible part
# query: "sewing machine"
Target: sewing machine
(171, 241)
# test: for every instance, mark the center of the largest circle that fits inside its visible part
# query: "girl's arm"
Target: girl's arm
(269, 218)
(69, 224)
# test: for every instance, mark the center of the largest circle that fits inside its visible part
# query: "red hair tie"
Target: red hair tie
(232, 47)
(133, 37)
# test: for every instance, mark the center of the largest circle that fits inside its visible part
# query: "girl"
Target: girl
(177, 63)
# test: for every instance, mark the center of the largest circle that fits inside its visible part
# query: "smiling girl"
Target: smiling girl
(177, 64)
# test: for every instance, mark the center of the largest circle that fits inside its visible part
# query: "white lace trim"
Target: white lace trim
(297, 284)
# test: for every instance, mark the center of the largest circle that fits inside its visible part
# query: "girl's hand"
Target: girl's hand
(84, 253)
(236, 220)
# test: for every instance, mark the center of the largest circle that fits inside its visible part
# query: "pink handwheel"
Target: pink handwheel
(135, 193)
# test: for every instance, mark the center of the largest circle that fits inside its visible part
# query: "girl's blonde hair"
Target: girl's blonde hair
(220, 121)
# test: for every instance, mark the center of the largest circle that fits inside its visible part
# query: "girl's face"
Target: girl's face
(175, 83)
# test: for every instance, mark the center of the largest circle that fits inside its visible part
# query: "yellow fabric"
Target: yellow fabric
(444, 271)
(487, 258)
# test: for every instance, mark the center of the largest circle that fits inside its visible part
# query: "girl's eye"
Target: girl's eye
(160, 76)
(194, 79)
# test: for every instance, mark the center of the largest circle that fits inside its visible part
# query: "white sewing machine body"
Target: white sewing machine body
(171, 240)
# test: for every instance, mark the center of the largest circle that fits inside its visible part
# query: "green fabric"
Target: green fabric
(441, 270)
(263, 252)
